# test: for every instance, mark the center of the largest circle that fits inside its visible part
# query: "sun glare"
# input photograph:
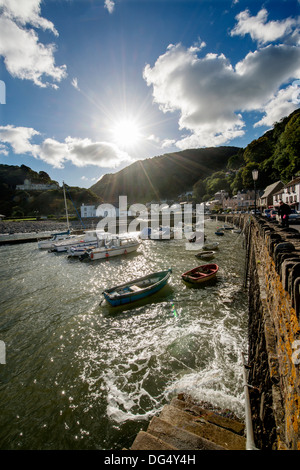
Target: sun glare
(126, 133)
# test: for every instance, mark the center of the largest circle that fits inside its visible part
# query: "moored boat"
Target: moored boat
(228, 227)
(201, 274)
(210, 245)
(115, 246)
(137, 289)
(80, 249)
(162, 233)
(88, 237)
(205, 254)
(55, 237)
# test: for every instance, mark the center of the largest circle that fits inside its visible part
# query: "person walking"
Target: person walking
(284, 212)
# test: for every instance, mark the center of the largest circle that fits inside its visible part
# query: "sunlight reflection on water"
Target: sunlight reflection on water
(80, 377)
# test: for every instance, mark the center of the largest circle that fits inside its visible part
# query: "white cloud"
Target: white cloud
(168, 143)
(80, 152)
(3, 150)
(53, 152)
(280, 105)
(153, 138)
(74, 83)
(260, 30)
(26, 11)
(109, 5)
(19, 138)
(24, 56)
(84, 152)
(211, 94)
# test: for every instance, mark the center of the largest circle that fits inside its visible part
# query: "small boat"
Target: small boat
(228, 227)
(88, 237)
(196, 237)
(63, 245)
(219, 232)
(162, 233)
(80, 249)
(205, 254)
(201, 274)
(137, 289)
(113, 246)
(210, 245)
(55, 237)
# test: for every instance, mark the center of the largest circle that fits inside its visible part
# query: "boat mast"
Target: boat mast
(66, 206)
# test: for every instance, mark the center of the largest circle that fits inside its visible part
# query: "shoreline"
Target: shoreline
(22, 227)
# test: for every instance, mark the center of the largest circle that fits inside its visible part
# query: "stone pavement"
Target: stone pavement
(184, 425)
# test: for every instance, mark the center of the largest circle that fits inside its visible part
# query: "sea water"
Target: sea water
(79, 375)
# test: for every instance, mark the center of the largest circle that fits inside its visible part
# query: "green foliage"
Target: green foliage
(18, 203)
(276, 154)
(216, 182)
(235, 162)
(163, 177)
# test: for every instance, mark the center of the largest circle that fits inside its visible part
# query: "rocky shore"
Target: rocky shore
(30, 226)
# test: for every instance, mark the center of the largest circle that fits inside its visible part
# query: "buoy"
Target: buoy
(125, 252)
(92, 255)
(107, 255)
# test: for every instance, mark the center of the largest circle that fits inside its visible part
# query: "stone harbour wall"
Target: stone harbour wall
(273, 281)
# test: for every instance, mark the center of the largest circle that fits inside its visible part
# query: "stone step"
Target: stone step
(179, 438)
(210, 416)
(202, 428)
(147, 441)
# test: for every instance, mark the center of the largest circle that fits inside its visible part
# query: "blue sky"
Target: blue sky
(93, 85)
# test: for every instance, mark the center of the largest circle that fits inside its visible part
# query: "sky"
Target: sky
(90, 86)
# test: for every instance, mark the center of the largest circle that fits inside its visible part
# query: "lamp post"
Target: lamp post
(255, 176)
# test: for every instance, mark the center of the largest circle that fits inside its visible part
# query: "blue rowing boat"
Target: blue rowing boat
(137, 289)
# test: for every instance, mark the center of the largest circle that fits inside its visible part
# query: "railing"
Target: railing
(250, 444)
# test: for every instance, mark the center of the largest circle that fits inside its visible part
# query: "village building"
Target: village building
(266, 200)
(107, 210)
(243, 201)
(289, 194)
(28, 186)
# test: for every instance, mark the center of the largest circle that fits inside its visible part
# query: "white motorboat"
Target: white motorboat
(55, 237)
(90, 237)
(79, 249)
(114, 246)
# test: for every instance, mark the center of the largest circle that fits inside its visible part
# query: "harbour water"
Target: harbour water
(79, 375)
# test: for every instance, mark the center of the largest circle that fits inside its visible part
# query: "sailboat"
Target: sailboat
(58, 236)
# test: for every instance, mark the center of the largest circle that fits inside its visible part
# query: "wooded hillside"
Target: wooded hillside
(163, 177)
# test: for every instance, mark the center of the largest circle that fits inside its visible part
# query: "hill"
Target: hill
(19, 203)
(276, 156)
(163, 177)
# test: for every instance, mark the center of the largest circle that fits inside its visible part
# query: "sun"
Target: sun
(126, 133)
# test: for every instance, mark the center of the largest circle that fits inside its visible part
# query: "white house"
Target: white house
(107, 210)
(88, 211)
(290, 194)
(28, 186)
